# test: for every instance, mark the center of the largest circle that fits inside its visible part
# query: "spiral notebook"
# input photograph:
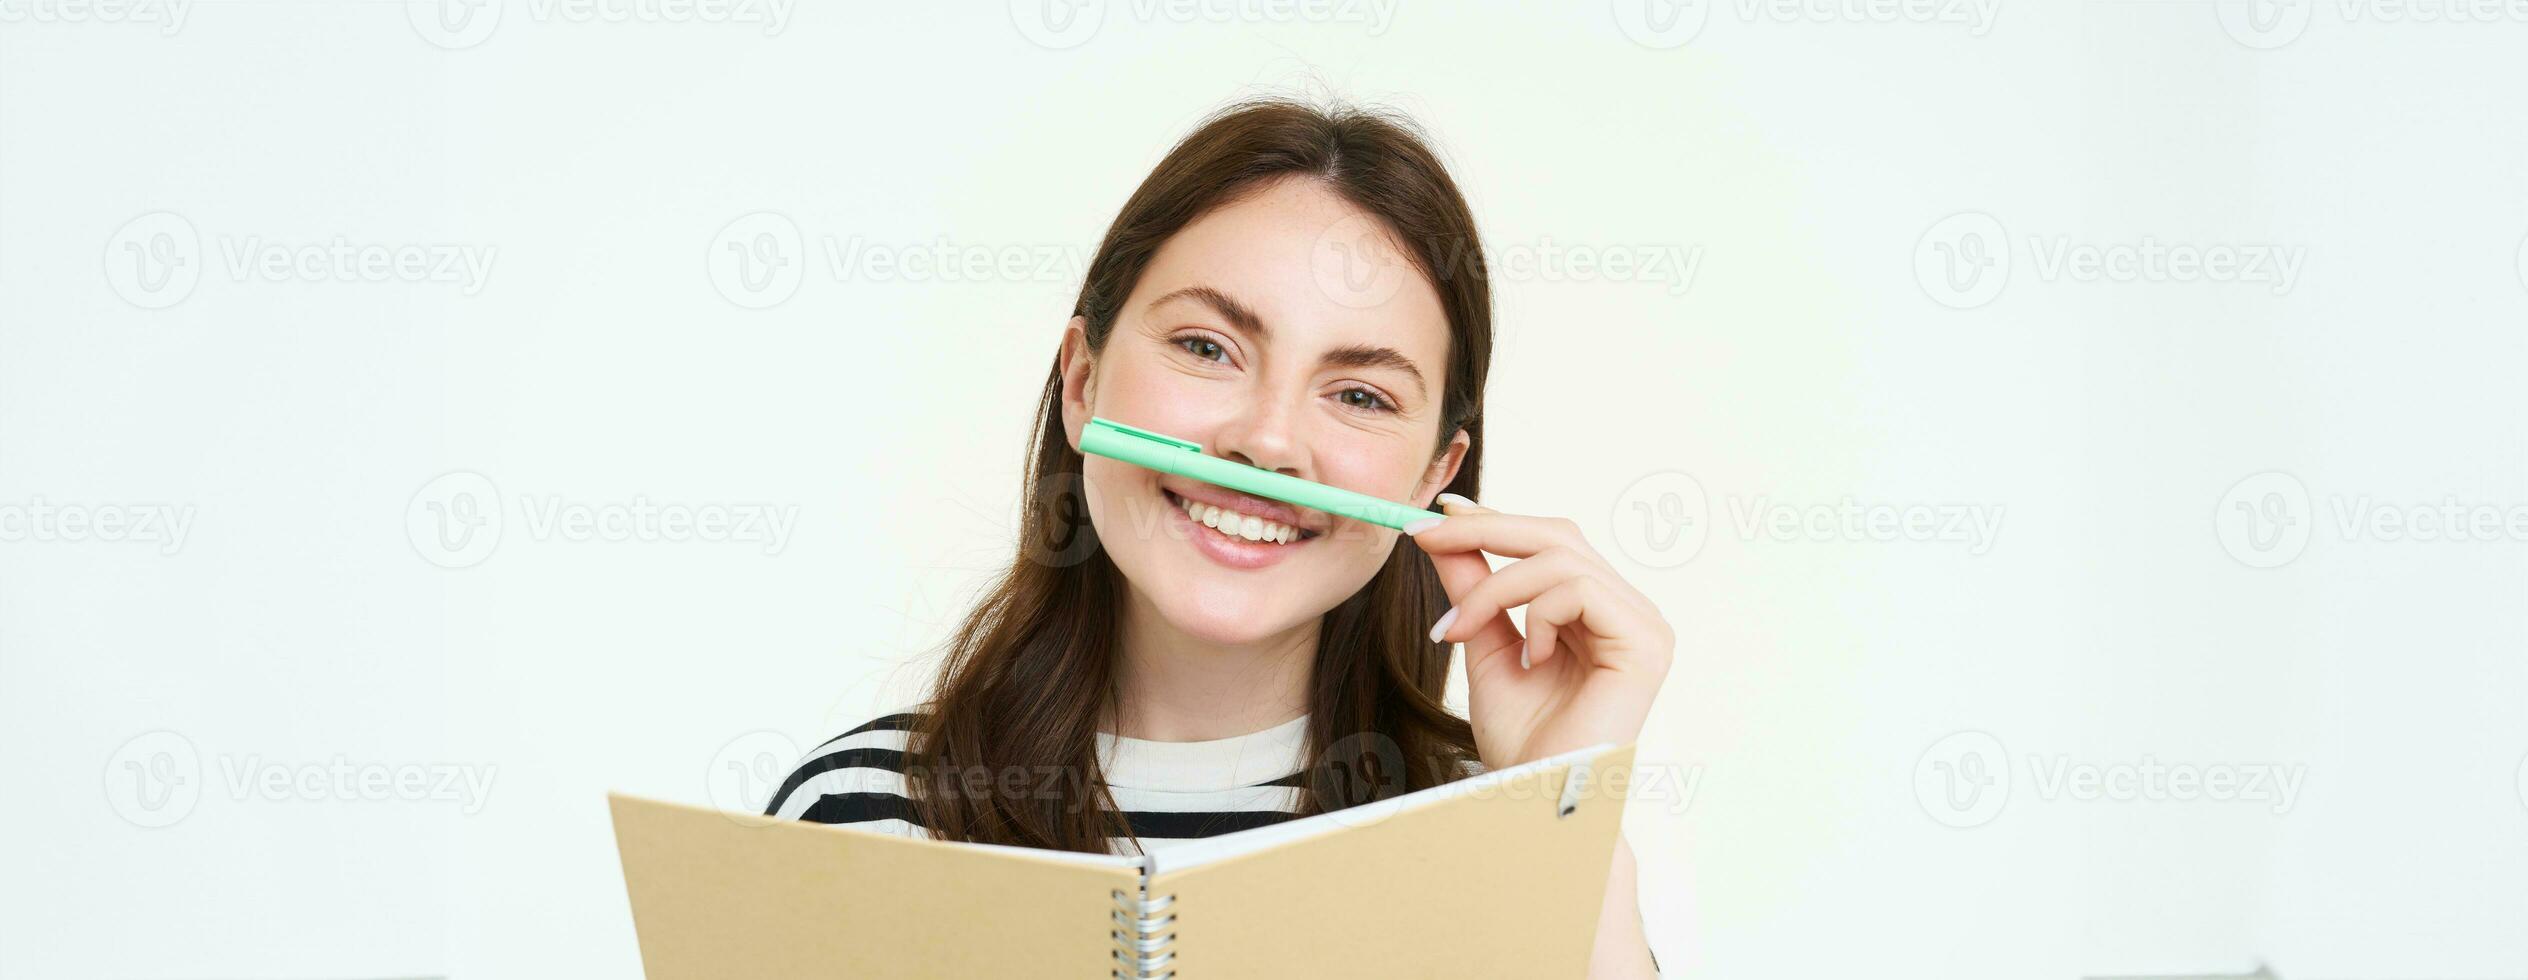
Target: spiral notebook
(1500, 874)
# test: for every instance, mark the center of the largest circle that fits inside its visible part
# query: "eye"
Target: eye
(1368, 401)
(1203, 347)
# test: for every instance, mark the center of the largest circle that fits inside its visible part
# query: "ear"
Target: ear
(1443, 470)
(1073, 362)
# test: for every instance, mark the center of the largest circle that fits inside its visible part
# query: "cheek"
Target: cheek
(1379, 470)
(1155, 397)
(1115, 492)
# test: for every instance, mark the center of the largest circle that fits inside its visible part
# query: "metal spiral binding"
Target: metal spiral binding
(1144, 931)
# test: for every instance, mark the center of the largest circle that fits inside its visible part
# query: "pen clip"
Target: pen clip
(1122, 429)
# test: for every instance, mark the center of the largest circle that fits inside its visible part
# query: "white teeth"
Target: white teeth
(1239, 525)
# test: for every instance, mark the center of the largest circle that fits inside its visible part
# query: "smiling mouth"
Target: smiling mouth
(1242, 527)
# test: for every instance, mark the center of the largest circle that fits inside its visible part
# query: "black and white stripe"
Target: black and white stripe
(857, 779)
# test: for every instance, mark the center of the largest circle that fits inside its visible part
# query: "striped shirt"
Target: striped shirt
(1169, 792)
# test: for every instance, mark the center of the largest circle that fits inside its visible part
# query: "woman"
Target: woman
(1299, 290)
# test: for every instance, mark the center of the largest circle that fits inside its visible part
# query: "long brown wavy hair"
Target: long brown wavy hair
(1026, 677)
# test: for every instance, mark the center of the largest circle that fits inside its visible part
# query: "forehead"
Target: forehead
(1318, 270)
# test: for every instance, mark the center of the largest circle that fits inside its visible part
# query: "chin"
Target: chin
(1229, 614)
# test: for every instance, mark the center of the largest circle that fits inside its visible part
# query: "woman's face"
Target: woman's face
(1287, 332)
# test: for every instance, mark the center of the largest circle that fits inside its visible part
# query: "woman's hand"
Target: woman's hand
(1596, 650)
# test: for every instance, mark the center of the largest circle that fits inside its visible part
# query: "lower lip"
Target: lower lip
(1237, 553)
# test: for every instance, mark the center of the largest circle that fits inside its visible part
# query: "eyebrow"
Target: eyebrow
(1243, 317)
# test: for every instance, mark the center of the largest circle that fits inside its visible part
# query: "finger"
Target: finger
(1586, 603)
(1457, 507)
(1546, 618)
(1453, 504)
(1568, 536)
(1461, 573)
(1514, 584)
(1507, 535)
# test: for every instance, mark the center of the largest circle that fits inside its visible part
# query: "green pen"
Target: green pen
(1168, 454)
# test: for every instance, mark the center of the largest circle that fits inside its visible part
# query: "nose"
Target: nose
(1265, 436)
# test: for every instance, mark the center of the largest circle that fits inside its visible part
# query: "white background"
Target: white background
(2143, 601)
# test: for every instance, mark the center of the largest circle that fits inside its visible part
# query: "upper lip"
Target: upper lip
(1249, 504)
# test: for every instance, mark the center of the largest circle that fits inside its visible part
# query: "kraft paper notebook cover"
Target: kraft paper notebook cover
(1501, 874)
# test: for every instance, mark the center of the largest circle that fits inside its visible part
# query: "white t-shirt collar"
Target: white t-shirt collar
(1204, 766)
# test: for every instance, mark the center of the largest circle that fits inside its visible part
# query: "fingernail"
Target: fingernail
(1457, 498)
(1425, 524)
(1522, 656)
(1442, 626)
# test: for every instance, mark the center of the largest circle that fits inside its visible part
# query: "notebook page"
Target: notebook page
(1191, 854)
(717, 895)
(1494, 885)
